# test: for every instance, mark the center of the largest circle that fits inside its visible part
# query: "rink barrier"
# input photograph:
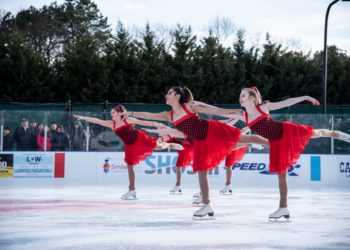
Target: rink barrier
(85, 168)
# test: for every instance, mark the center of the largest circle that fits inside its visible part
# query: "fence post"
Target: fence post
(87, 137)
(2, 131)
(332, 139)
(45, 132)
(1, 137)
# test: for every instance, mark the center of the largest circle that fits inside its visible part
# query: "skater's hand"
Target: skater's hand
(312, 100)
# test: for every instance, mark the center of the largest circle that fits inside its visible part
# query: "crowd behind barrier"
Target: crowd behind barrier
(58, 131)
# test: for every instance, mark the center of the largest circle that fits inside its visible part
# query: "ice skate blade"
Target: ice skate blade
(208, 216)
(177, 192)
(283, 218)
(130, 198)
(226, 193)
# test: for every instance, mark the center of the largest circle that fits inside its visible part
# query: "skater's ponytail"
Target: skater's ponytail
(120, 109)
(185, 94)
(255, 94)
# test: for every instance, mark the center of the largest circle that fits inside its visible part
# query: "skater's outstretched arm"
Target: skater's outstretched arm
(198, 103)
(166, 131)
(108, 123)
(162, 116)
(289, 102)
(144, 123)
(234, 118)
(212, 110)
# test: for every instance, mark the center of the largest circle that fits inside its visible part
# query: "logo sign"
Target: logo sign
(109, 166)
(6, 165)
(34, 165)
(262, 168)
(34, 159)
(106, 166)
(166, 164)
(344, 168)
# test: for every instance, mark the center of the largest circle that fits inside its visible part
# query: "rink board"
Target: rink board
(109, 168)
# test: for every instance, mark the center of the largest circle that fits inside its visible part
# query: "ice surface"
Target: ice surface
(94, 217)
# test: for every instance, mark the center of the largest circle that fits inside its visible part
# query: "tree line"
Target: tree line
(68, 51)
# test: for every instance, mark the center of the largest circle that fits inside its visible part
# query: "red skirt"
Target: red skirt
(286, 151)
(208, 153)
(141, 149)
(235, 156)
(185, 157)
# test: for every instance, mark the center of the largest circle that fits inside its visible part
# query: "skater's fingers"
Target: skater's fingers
(314, 101)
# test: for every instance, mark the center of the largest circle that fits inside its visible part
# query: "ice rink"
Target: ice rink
(94, 217)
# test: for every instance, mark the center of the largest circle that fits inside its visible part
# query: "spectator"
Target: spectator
(7, 139)
(53, 129)
(93, 142)
(78, 137)
(41, 139)
(60, 142)
(34, 131)
(22, 136)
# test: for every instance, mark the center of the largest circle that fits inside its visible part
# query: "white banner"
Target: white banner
(33, 165)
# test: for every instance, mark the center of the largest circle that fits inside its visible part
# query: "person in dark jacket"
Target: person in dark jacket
(78, 137)
(22, 136)
(60, 141)
(34, 131)
(7, 139)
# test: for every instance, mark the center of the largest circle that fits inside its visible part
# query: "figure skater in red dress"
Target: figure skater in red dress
(213, 140)
(137, 144)
(287, 140)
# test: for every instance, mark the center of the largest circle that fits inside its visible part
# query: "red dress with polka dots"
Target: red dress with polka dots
(137, 144)
(185, 156)
(213, 140)
(287, 140)
(235, 156)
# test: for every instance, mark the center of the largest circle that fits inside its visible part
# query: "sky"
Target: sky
(298, 24)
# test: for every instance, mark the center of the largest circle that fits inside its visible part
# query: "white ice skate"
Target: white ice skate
(281, 212)
(257, 146)
(226, 190)
(176, 190)
(197, 195)
(343, 136)
(205, 210)
(176, 146)
(130, 195)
